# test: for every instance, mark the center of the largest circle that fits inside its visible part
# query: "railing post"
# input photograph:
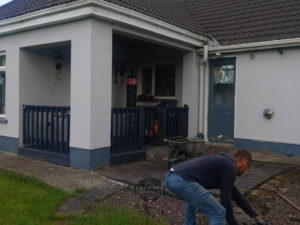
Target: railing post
(163, 124)
(24, 125)
(141, 127)
(186, 122)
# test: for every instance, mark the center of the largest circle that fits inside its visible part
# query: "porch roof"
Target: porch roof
(227, 21)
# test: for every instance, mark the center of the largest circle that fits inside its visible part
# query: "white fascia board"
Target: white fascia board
(254, 46)
(150, 37)
(100, 9)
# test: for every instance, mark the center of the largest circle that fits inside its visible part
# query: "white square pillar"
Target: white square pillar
(190, 80)
(91, 83)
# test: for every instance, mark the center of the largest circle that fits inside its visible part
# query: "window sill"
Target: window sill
(3, 120)
(164, 97)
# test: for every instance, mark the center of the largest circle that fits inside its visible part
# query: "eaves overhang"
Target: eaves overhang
(103, 10)
(255, 46)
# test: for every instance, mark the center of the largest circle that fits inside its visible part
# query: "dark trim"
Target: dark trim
(89, 159)
(3, 120)
(9, 144)
(281, 148)
(52, 157)
(127, 157)
(210, 87)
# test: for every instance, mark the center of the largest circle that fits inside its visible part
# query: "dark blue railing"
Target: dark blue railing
(127, 128)
(165, 122)
(132, 127)
(47, 128)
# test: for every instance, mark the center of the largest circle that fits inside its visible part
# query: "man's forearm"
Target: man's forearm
(242, 202)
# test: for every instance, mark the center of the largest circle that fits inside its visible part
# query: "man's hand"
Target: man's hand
(260, 221)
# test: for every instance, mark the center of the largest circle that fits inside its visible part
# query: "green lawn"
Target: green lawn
(25, 200)
(104, 214)
(28, 201)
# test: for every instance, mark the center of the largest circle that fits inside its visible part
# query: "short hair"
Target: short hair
(243, 153)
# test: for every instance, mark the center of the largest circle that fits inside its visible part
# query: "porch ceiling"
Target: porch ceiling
(123, 40)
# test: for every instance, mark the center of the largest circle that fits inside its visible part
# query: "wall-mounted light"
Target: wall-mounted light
(58, 64)
(120, 69)
(268, 113)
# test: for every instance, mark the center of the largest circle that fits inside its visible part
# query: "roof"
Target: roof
(227, 21)
(245, 21)
(165, 10)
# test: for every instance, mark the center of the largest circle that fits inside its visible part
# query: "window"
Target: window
(158, 80)
(165, 80)
(147, 81)
(2, 82)
(223, 75)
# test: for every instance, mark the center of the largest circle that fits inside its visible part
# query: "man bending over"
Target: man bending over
(190, 180)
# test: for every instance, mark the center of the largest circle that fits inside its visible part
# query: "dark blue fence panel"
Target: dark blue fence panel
(132, 127)
(47, 128)
(153, 125)
(177, 122)
(127, 129)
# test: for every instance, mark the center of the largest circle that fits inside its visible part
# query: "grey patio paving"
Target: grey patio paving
(62, 177)
(132, 173)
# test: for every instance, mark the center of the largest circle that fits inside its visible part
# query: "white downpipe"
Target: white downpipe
(201, 95)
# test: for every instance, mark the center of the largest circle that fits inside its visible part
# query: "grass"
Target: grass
(28, 201)
(105, 214)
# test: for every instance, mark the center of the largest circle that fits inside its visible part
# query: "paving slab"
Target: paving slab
(59, 176)
(132, 173)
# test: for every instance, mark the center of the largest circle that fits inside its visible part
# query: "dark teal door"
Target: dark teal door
(222, 97)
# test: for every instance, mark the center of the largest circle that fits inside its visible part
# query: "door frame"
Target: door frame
(210, 91)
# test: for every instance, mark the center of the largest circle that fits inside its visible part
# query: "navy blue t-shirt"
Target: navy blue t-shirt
(216, 171)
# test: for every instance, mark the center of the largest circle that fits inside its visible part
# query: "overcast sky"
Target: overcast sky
(2, 2)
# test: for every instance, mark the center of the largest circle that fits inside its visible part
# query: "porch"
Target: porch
(84, 120)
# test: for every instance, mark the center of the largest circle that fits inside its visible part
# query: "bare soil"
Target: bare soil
(264, 199)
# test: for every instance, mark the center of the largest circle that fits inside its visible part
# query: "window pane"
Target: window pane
(147, 81)
(224, 74)
(224, 84)
(2, 60)
(2, 92)
(165, 80)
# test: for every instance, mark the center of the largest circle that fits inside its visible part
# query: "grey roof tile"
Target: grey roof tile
(228, 21)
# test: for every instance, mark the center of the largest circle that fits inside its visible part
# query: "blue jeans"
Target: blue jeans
(196, 197)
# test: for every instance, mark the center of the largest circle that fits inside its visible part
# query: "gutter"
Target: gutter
(100, 9)
(201, 95)
(254, 46)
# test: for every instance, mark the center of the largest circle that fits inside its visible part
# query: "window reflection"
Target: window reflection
(223, 84)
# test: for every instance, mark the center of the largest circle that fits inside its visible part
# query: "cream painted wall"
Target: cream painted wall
(268, 80)
(91, 46)
(126, 55)
(39, 84)
(190, 89)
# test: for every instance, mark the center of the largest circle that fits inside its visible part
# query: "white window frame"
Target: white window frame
(3, 68)
(140, 80)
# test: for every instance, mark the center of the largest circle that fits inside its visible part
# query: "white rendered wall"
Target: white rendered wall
(39, 83)
(190, 89)
(270, 80)
(91, 87)
(126, 55)
(90, 79)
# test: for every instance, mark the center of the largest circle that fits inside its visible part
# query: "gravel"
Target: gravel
(264, 199)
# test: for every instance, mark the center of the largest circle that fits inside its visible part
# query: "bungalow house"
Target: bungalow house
(87, 82)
